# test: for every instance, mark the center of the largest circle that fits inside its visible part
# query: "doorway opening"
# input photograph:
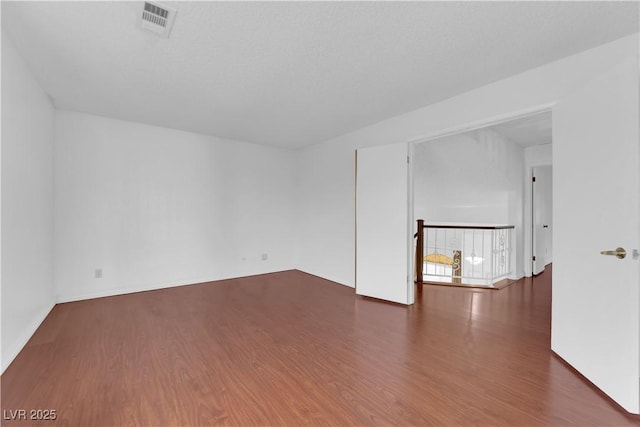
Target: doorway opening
(481, 178)
(534, 134)
(542, 218)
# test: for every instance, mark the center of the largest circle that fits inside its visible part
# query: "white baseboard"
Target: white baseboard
(127, 290)
(149, 287)
(517, 276)
(329, 278)
(17, 346)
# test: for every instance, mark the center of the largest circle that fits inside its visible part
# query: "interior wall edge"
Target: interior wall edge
(27, 203)
(16, 347)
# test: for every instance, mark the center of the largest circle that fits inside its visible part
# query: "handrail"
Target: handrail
(469, 227)
(458, 242)
(421, 270)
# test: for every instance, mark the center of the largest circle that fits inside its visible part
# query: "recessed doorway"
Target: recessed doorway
(483, 177)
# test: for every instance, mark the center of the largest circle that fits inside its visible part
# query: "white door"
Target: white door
(596, 194)
(547, 225)
(541, 204)
(383, 260)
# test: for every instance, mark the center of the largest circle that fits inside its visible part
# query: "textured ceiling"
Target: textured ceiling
(292, 74)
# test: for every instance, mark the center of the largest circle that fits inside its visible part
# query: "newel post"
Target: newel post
(420, 250)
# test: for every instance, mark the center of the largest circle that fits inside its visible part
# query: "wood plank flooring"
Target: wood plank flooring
(293, 349)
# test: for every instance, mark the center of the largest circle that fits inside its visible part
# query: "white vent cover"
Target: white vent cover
(157, 18)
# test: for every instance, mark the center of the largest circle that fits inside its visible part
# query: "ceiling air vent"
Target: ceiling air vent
(157, 18)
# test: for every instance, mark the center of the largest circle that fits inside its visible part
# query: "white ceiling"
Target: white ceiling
(527, 131)
(292, 74)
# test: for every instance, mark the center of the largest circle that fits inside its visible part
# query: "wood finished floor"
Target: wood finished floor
(293, 349)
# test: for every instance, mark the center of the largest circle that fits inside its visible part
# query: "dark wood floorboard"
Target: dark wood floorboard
(293, 349)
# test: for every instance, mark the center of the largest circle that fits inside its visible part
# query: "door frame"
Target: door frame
(483, 123)
(531, 212)
(479, 124)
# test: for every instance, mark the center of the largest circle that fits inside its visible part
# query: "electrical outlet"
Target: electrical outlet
(98, 273)
(265, 257)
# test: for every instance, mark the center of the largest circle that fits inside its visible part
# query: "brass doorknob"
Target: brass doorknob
(619, 252)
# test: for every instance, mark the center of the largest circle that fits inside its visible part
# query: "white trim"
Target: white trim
(151, 287)
(411, 223)
(329, 278)
(517, 276)
(24, 338)
(483, 123)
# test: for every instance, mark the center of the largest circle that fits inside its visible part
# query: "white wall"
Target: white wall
(474, 177)
(326, 212)
(538, 155)
(27, 203)
(156, 207)
(326, 171)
